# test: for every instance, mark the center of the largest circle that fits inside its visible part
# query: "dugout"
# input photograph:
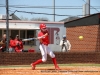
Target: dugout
(89, 28)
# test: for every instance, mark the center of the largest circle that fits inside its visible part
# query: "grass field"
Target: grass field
(48, 69)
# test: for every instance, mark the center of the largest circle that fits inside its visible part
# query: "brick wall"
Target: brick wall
(62, 58)
(91, 41)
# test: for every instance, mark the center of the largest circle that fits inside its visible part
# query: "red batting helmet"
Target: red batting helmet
(42, 25)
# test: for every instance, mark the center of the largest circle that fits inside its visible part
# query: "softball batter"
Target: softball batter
(43, 37)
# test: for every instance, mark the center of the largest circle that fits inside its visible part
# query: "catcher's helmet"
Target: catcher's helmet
(42, 25)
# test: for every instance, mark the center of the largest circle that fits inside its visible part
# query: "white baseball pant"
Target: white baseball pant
(44, 51)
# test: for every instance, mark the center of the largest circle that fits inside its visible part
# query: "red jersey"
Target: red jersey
(45, 40)
(12, 44)
(18, 48)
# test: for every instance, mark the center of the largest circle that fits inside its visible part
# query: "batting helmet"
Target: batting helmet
(42, 25)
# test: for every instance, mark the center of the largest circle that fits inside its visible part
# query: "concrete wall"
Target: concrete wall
(90, 42)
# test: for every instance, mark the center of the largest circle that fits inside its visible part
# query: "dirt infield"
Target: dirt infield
(70, 70)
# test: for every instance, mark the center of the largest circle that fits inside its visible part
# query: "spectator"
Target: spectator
(65, 44)
(3, 43)
(12, 44)
(19, 44)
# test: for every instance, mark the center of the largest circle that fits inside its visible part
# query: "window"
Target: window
(30, 34)
(5, 31)
(14, 32)
(22, 34)
(0, 34)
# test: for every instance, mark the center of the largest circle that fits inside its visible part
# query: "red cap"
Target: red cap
(42, 25)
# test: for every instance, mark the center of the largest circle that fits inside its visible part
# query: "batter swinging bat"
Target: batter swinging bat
(29, 39)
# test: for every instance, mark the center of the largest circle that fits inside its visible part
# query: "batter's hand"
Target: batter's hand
(41, 37)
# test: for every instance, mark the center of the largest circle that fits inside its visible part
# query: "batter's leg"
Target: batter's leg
(44, 57)
(52, 55)
(43, 49)
(35, 63)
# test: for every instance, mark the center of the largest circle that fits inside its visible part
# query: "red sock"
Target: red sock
(37, 62)
(54, 61)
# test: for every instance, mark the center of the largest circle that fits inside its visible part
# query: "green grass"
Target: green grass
(79, 64)
(49, 65)
(74, 64)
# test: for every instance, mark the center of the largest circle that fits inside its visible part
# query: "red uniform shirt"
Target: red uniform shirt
(19, 47)
(12, 44)
(45, 40)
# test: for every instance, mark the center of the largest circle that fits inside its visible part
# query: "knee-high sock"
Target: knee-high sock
(37, 62)
(55, 62)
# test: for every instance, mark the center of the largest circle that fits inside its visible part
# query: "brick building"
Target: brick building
(89, 28)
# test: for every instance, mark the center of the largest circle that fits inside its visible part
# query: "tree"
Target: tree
(24, 18)
(34, 19)
(39, 19)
